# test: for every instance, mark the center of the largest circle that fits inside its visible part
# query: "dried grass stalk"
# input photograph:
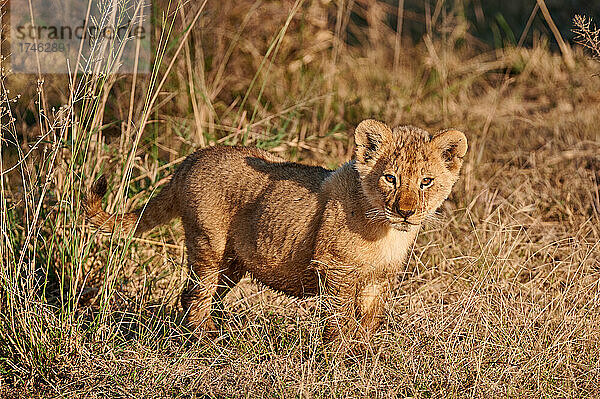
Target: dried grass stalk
(586, 34)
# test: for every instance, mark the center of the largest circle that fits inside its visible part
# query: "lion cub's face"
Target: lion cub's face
(405, 173)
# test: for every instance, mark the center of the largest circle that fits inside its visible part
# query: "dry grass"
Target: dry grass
(500, 298)
(587, 34)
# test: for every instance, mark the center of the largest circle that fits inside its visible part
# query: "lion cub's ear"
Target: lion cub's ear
(452, 144)
(369, 137)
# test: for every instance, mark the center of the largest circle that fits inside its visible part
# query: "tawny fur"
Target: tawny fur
(299, 229)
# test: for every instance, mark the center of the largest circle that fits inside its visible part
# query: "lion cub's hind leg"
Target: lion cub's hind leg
(212, 275)
(232, 272)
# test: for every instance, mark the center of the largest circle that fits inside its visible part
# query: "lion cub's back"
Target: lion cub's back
(224, 179)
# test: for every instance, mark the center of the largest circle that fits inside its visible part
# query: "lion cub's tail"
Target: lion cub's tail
(159, 210)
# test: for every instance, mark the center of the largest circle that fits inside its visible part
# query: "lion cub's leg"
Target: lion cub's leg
(370, 304)
(355, 312)
(232, 272)
(340, 313)
(196, 298)
(207, 271)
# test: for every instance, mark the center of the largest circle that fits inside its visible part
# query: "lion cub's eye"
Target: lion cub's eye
(390, 179)
(426, 182)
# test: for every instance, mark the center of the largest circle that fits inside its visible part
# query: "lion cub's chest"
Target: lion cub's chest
(389, 252)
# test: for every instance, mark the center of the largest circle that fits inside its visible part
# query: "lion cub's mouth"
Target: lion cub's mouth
(402, 226)
(397, 222)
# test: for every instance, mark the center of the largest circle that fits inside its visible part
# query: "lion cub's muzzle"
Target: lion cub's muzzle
(405, 213)
(402, 212)
(401, 219)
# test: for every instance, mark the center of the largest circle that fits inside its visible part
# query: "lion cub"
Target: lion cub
(299, 229)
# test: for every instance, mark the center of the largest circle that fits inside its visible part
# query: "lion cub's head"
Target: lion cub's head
(405, 173)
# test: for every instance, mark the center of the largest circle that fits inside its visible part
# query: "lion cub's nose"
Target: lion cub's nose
(405, 213)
